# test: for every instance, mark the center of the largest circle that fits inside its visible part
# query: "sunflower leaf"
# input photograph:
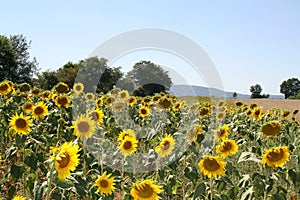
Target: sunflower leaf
(248, 156)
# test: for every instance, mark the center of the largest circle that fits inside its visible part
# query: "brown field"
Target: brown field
(283, 104)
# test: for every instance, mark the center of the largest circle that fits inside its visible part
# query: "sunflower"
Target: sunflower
(203, 112)
(47, 95)
(35, 92)
(66, 160)
(4, 88)
(124, 133)
(123, 95)
(212, 166)
(271, 128)
(128, 145)
(84, 127)
(61, 88)
(62, 101)
(144, 111)
(19, 198)
(97, 115)
(257, 113)
(20, 124)
(227, 148)
(109, 100)
(176, 106)
(27, 107)
(99, 101)
(132, 101)
(295, 112)
(193, 134)
(248, 112)
(89, 97)
(276, 157)
(238, 103)
(285, 114)
(220, 116)
(221, 104)
(39, 111)
(25, 87)
(166, 146)
(78, 88)
(253, 105)
(146, 190)
(221, 132)
(119, 106)
(165, 103)
(105, 184)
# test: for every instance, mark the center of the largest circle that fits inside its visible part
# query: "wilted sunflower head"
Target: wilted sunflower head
(271, 128)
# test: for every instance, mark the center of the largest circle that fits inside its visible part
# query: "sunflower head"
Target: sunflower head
(144, 111)
(285, 114)
(271, 128)
(257, 113)
(61, 88)
(204, 111)
(47, 95)
(66, 160)
(165, 102)
(125, 133)
(109, 100)
(177, 106)
(166, 146)
(84, 127)
(39, 111)
(220, 116)
(238, 103)
(24, 87)
(212, 166)
(128, 145)
(78, 88)
(62, 101)
(193, 134)
(19, 198)
(123, 95)
(146, 190)
(97, 115)
(89, 97)
(105, 184)
(20, 124)
(35, 92)
(276, 157)
(227, 148)
(27, 107)
(221, 133)
(4, 88)
(132, 101)
(119, 106)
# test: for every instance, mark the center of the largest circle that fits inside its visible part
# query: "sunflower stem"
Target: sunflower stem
(49, 182)
(211, 189)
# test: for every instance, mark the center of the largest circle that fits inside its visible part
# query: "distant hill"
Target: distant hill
(193, 90)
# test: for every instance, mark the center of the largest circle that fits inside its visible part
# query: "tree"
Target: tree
(68, 73)
(290, 87)
(46, 80)
(255, 90)
(15, 63)
(154, 77)
(234, 95)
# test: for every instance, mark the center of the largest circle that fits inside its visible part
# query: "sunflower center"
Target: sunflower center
(127, 145)
(28, 106)
(257, 112)
(221, 132)
(226, 147)
(144, 111)
(78, 88)
(275, 156)
(123, 95)
(38, 110)
(21, 123)
(211, 164)
(65, 159)
(3, 87)
(62, 101)
(83, 127)
(95, 116)
(166, 145)
(104, 183)
(145, 191)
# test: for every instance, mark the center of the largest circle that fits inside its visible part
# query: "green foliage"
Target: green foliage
(15, 63)
(290, 87)
(256, 92)
(46, 80)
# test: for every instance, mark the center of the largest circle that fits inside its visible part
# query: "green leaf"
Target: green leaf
(39, 190)
(31, 161)
(11, 192)
(16, 172)
(200, 190)
(64, 184)
(295, 177)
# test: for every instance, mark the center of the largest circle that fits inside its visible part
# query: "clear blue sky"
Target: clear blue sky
(249, 41)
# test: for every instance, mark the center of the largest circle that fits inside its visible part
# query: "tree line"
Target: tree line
(145, 78)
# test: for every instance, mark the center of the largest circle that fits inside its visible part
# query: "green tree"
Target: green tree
(46, 80)
(256, 92)
(15, 62)
(234, 95)
(290, 87)
(150, 77)
(68, 73)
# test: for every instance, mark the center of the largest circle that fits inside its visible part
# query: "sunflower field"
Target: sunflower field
(70, 144)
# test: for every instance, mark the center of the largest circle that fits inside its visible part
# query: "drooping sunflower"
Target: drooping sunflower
(78, 88)
(66, 160)
(27, 107)
(271, 128)
(123, 95)
(20, 124)
(276, 157)
(62, 101)
(124, 133)
(144, 111)
(84, 127)
(105, 184)
(166, 146)
(146, 190)
(128, 145)
(257, 113)
(97, 115)
(227, 148)
(165, 102)
(39, 111)
(19, 198)
(61, 88)
(212, 166)
(221, 133)
(193, 134)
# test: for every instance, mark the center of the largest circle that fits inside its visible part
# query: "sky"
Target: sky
(249, 41)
